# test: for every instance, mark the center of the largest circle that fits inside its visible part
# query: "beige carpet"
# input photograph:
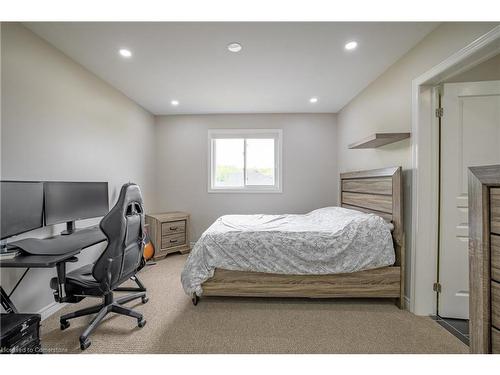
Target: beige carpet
(239, 325)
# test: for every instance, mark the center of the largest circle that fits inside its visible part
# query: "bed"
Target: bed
(377, 192)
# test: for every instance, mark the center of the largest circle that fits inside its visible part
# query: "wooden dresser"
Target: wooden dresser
(484, 259)
(169, 232)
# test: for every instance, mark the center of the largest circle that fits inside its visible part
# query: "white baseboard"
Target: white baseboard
(50, 309)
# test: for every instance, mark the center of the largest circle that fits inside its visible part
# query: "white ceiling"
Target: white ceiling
(280, 67)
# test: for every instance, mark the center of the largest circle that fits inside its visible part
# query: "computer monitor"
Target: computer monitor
(21, 207)
(66, 202)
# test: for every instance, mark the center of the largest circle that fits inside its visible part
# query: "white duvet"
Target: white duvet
(325, 241)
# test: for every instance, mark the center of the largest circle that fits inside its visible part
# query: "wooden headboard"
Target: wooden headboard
(377, 191)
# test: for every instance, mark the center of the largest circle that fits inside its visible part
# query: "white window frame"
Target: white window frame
(277, 134)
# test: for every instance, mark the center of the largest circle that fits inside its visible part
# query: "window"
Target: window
(244, 160)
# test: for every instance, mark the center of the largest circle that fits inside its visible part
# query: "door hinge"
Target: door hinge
(436, 287)
(439, 112)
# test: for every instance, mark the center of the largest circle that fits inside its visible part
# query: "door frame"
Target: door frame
(425, 172)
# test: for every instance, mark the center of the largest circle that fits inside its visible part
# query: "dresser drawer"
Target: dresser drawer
(495, 210)
(495, 341)
(495, 257)
(495, 304)
(173, 240)
(173, 227)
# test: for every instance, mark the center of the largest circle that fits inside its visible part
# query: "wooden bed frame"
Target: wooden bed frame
(377, 191)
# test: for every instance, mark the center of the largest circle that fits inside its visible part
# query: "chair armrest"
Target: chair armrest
(60, 294)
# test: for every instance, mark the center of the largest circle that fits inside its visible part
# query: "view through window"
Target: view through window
(245, 160)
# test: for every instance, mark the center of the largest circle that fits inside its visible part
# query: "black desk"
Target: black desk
(58, 261)
(36, 261)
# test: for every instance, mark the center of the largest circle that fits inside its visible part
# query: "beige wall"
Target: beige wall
(60, 122)
(310, 175)
(385, 105)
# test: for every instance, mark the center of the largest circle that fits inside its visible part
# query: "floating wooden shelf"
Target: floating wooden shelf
(379, 139)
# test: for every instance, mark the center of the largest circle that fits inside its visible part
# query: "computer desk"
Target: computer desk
(28, 261)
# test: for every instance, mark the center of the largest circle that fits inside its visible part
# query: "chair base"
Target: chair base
(109, 305)
(140, 286)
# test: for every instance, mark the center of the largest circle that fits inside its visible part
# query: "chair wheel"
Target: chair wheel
(145, 299)
(141, 323)
(195, 299)
(64, 324)
(85, 344)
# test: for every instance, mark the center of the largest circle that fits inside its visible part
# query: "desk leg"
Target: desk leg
(7, 304)
(61, 280)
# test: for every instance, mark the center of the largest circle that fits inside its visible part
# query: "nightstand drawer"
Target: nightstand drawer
(173, 227)
(495, 304)
(495, 341)
(173, 240)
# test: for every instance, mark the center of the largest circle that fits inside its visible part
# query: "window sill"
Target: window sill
(245, 191)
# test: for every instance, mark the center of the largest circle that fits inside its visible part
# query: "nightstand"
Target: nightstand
(169, 232)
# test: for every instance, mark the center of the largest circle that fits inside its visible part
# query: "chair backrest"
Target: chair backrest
(124, 228)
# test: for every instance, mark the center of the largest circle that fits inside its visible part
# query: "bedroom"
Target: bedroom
(293, 200)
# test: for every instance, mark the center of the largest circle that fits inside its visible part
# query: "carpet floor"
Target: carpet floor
(249, 325)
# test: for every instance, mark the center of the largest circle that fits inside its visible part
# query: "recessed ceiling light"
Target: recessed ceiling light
(234, 47)
(125, 52)
(351, 45)
(174, 103)
(313, 100)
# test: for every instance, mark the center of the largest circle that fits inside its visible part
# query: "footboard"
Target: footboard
(380, 282)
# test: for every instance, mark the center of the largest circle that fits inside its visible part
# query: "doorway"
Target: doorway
(425, 180)
(470, 136)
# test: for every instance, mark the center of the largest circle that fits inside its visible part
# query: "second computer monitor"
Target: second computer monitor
(66, 202)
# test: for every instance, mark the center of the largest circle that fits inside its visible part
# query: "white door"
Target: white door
(470, 136)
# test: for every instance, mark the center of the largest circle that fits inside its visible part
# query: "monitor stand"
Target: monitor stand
(70, 228)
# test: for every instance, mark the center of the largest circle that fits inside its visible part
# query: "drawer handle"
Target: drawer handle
(173, 241)
(173, 228)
